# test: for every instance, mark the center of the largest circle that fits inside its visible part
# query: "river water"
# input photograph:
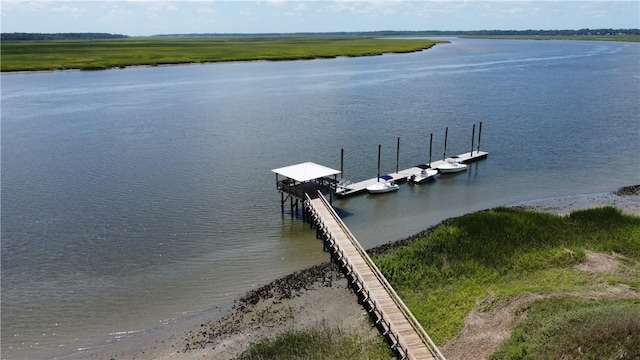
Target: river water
(132, 198)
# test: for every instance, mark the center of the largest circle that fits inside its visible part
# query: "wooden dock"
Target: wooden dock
(403, 175)
(391, 315)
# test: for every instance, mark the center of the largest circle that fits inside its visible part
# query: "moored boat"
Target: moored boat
(423, 176)
(451, 166)
(382, 187)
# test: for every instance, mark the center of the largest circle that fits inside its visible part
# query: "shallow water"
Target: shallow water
(131, 198)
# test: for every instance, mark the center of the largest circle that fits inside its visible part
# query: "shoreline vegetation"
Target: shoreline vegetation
(154, 51)
(98, 51)
(505, 283)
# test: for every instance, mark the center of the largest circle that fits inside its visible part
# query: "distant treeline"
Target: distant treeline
(580, 32)
(97, 36)
(59, 36)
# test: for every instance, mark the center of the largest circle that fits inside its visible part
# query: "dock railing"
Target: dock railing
(426, 339)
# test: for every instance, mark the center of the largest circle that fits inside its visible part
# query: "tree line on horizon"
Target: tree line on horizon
(22, 36)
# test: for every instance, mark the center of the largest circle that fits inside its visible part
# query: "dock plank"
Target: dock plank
(412, 340)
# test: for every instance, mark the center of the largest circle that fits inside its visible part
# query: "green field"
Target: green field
(489, 259)
(118, 53)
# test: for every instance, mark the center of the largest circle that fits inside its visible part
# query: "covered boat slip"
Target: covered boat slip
(303, 179)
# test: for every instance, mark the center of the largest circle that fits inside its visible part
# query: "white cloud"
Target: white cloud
(147, 17)
(206, 10)
(277, 2)
(298, 8)
(68, 10)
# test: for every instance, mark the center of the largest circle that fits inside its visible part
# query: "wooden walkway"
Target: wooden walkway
(395, 320)
(402, 175)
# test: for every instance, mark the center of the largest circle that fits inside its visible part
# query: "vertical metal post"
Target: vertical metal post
(342, 163)
(430, 147)
(304, 212)
(446, 133)
(379, 149)
(397, 155)
(291, 205)
(473, 136)
(479, 133)
(282, 200)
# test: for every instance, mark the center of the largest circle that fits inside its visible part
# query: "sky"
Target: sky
(143, 18)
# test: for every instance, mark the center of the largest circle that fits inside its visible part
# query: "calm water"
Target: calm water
(132, 198)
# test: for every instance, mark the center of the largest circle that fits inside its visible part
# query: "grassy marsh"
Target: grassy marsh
(483, 260)
(320, 342)
(506, 252)
(118, 53)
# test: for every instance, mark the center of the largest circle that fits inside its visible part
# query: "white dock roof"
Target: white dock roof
(305, 171)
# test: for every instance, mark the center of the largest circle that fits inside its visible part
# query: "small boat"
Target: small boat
(423, 176)
(385, 186)
(382, 187)
(451, 166)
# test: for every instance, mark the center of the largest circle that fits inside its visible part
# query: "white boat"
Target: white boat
(382, 187)
(451, 166)
(423, 176)
(385, 186)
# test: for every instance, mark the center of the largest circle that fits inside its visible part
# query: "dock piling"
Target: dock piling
(479, 133)
(446, 132)
(430, 147)
(342, 163)
(379, 149)
(473, 135)
(397, 155)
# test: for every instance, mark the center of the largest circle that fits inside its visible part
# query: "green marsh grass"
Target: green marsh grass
(321, 342)
(490, 257)
(118, 53)
(505, 252)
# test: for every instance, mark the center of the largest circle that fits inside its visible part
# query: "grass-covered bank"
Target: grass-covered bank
(576, 328)
(320, 342)
(580, 271)
(118, 53)
(488, 258)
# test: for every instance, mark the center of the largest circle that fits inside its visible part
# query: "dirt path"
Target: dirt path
(485, 330)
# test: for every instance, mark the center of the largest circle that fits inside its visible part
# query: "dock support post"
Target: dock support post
(446, 132)
(304, 212)
(430, 147)
(282, 200)
(397, 154)
(379, 149)
(479, 133)
(473, 136)
(291, 206)
(342, 163)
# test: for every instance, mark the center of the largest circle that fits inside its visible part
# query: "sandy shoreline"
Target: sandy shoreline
(318, 296)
